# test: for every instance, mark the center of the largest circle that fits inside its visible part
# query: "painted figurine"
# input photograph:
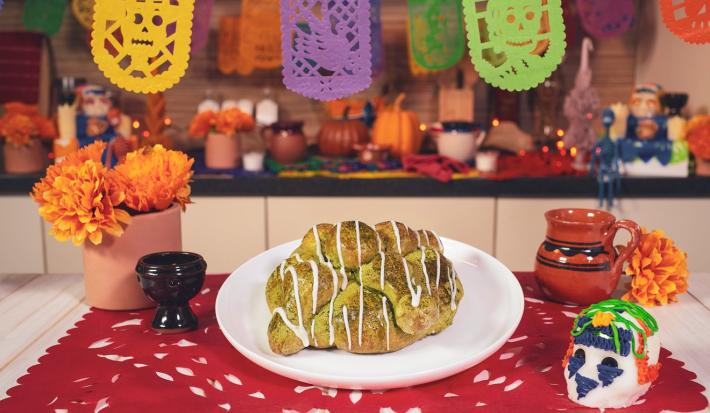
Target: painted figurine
(99, 120)
(605, 163)
(612, 357)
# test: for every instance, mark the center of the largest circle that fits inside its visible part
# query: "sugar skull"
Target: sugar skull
(142, 45)
(612, 357)
(515, 44)
(645, 101)
(95, 101)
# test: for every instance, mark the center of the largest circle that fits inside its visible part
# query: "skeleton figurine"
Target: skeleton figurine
(142, 46)
(613, 354)
(605, 163)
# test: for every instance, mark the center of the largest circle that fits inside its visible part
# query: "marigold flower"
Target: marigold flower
(22, 122)
(658, 270)
(698, 136)
(156, 178)
(233, 120)
(202, 123)
(80, 198)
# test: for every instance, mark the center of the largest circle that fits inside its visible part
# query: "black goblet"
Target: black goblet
(172, 279)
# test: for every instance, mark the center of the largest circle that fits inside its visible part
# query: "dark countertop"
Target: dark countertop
(559, 187)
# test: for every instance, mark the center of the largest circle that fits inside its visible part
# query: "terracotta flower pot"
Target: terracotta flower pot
(110, 278)
(702, 167)
(222, 151)
(24, 159)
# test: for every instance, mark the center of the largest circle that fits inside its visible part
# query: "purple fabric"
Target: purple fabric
(378, 47)
(326, 47)
(201, 25)
(605, 18)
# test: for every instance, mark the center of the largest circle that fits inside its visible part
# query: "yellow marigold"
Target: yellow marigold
(658, 270)
(80, 198)
(156, 178)
(232, 121)
(201, 124)
(21, 122)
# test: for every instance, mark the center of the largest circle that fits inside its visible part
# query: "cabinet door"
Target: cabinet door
(225, 230)
(62, 257)
(521, 225)
(21, 244)
(469, 220)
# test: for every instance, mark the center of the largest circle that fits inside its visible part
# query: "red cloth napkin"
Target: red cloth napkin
(113, 362)
(438, 167)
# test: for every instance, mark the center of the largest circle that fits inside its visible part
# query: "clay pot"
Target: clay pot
(286, 142)
(702, 167)
(24, 159)
(109, 268)
(222, 151)
(577, 262)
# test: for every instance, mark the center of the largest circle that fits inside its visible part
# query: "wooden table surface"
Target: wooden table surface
(39, 309)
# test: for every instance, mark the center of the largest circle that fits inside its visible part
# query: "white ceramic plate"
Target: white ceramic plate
(487, 316)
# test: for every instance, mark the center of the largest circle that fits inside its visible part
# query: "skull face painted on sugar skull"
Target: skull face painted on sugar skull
(613, 355)
(142, 45)
(645, 102)
(513, 27)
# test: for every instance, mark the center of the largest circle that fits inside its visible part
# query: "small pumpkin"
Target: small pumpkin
(337, 137)
(398, 129)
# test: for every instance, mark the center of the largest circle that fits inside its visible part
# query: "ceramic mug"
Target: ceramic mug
(460, 140)
(577, 263)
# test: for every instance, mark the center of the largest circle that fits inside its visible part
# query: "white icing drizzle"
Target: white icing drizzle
(419, 239)
(438, 267)
(382, 270)
(359, 264)
(395, 228)
(339, 247)
(314, 269)
(303, 335)
(426, 235)
(426, 274)
(452, 282)
(299, 331)
(438, 240)
(347, 327)
(332, 300)
(318, 248)
(387, 321)
(416, 296)
(379, 241)
(298, 257)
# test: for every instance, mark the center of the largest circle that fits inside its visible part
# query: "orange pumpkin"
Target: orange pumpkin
(337, 137)
(398, 129)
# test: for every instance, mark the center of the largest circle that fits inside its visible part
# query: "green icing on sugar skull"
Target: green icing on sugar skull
(515, 44)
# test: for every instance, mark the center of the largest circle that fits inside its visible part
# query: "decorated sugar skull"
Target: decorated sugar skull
(515, 44)
(142, 45)
(645, 101)
(513, 27)
(95, 101)
(613, 355)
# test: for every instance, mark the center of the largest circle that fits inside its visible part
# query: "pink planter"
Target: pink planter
(702, 167)
(222, 151)
(24, 159)
(109, 268)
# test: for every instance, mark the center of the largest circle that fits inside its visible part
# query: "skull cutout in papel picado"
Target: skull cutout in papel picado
(612, 357)
(515, 44)
(142, 45)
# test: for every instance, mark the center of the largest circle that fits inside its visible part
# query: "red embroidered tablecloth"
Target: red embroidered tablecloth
(113, 362)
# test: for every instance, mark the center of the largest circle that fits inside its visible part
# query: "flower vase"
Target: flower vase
(222, 151)
(24, 159)
(702, 167)
(110, 278)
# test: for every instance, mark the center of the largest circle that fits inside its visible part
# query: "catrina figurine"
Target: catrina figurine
(612, 357)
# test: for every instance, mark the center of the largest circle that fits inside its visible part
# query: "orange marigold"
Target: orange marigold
(233, 120)
(698, 136)
(21, 122)
(202, 123)
(80, 198)
(658, 270)
(156, 178)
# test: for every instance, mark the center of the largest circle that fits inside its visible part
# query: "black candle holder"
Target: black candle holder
(172, 279)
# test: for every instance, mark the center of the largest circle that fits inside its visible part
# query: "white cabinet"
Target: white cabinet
(21, 245)
(465, 219)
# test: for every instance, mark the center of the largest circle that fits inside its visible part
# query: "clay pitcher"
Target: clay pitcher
(286, 142)
(577, 263)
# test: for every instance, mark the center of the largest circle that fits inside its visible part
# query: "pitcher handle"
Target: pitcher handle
(635, 232)
(267, 135)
